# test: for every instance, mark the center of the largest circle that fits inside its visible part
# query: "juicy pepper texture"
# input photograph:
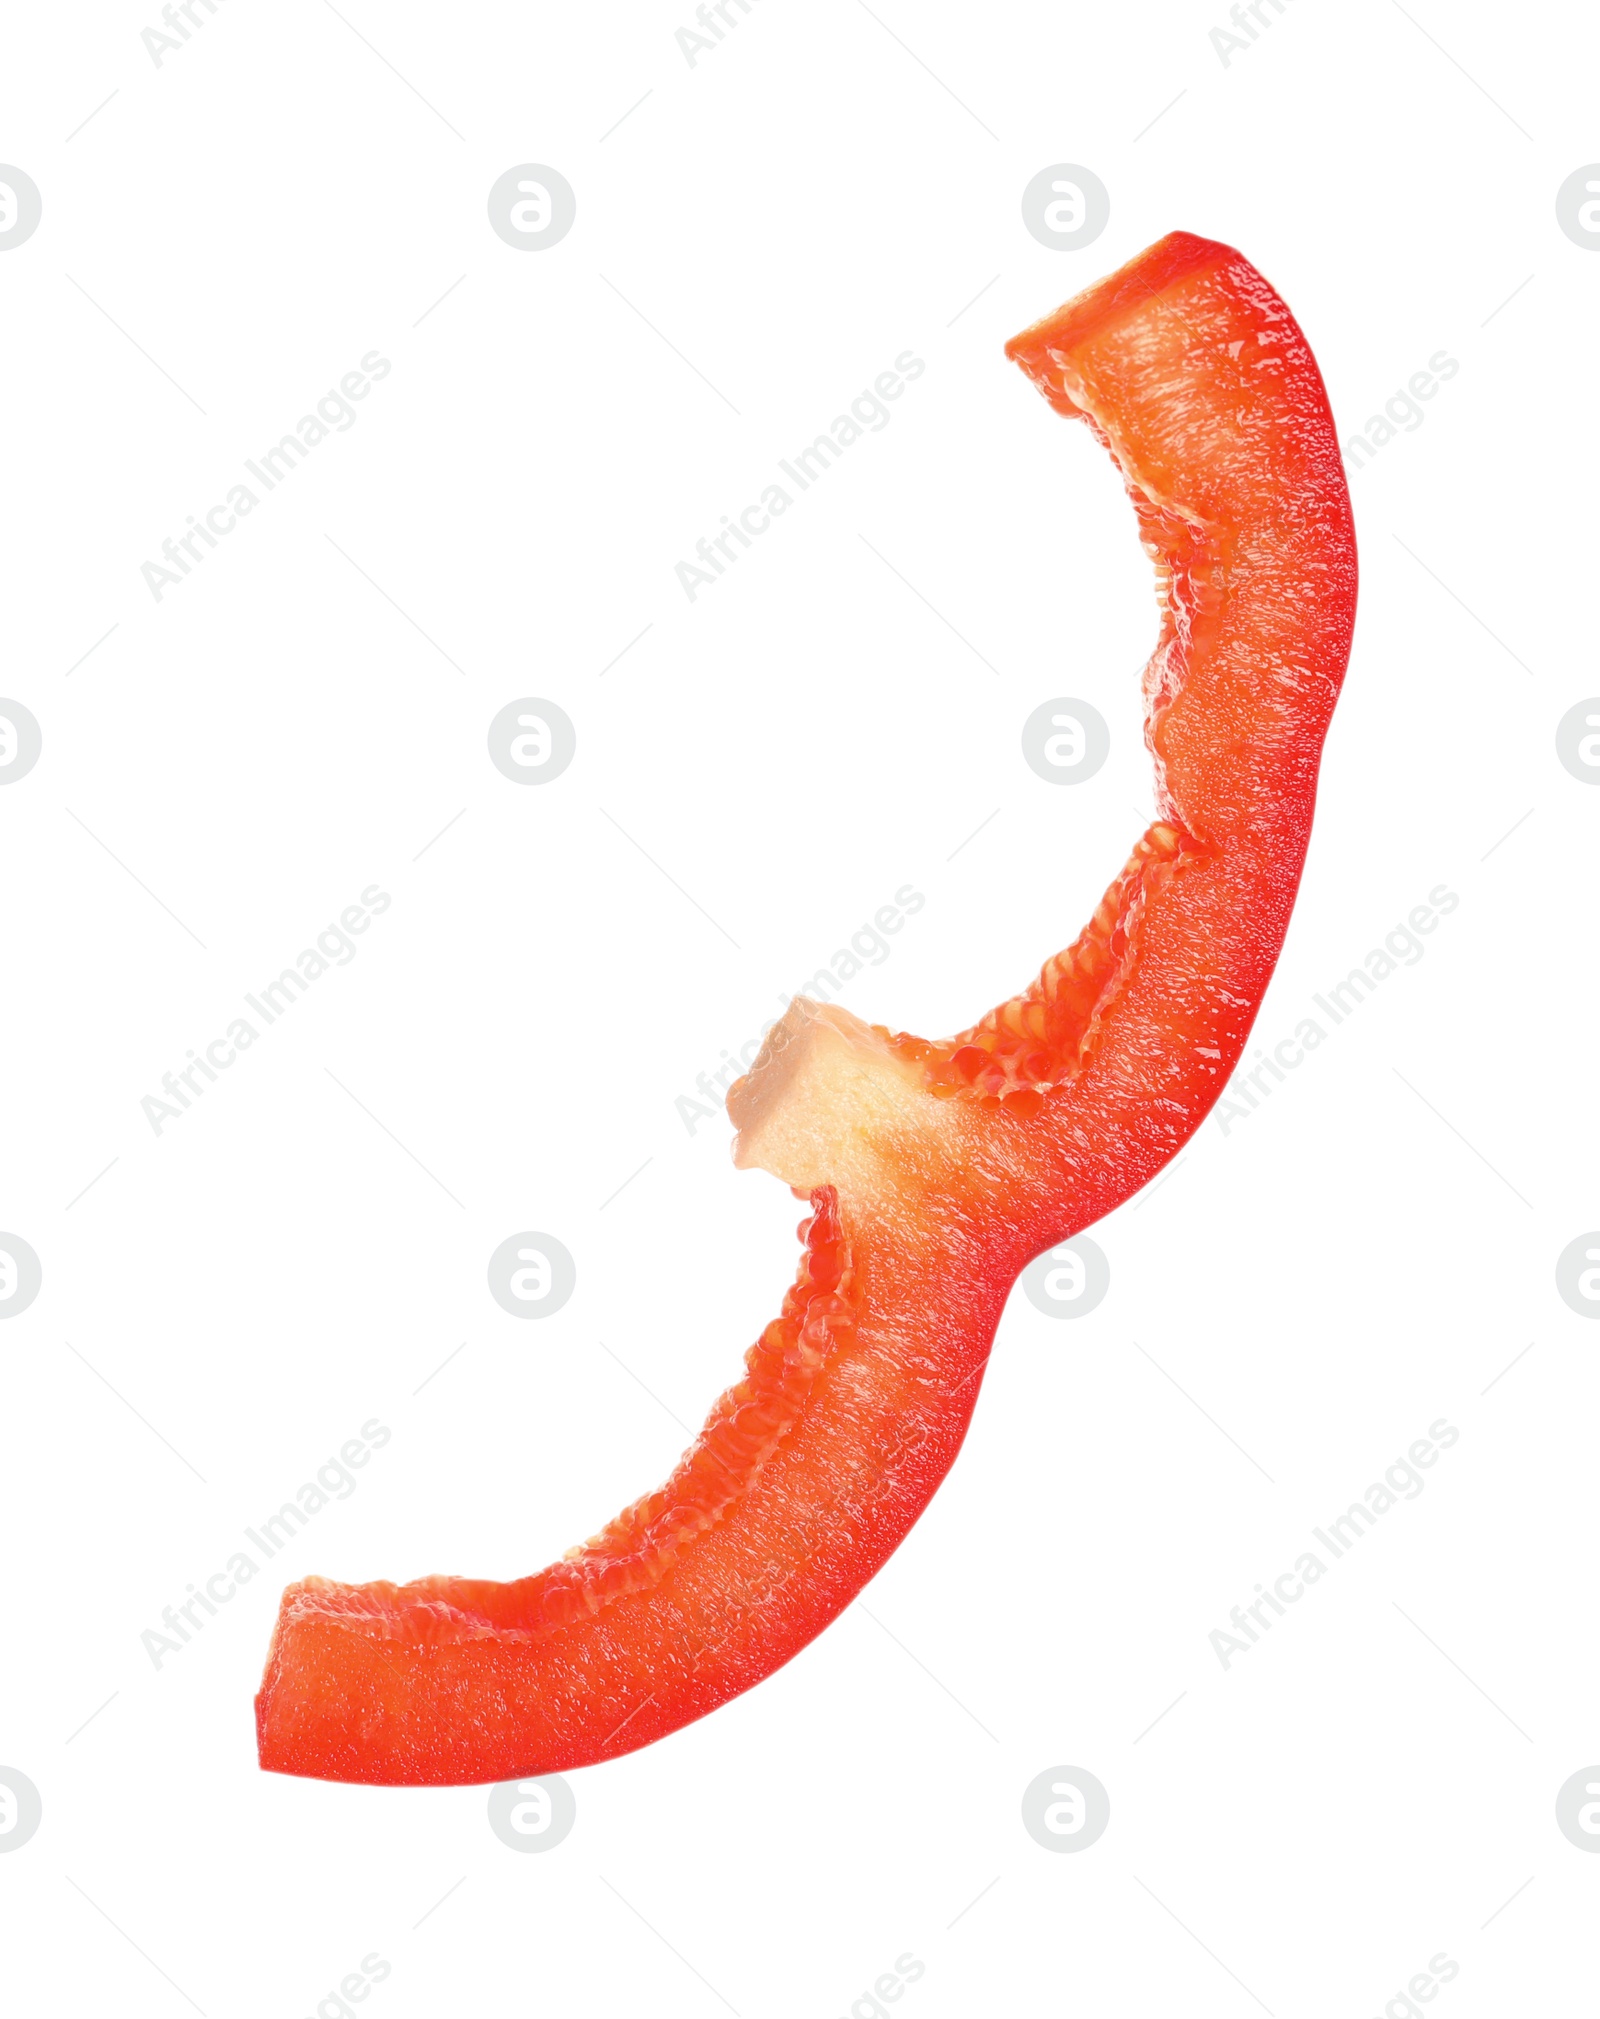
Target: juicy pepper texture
(935, 1171)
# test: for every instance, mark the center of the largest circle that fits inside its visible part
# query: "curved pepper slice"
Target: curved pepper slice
(935, 1171)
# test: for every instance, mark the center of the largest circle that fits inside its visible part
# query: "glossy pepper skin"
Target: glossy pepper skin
(935, 1171)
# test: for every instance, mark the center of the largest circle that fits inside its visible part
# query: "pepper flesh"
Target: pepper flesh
(935, 1171)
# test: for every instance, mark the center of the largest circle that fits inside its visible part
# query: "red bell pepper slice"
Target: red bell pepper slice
(935, 1171)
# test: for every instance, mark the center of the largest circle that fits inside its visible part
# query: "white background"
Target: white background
(228, 768)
